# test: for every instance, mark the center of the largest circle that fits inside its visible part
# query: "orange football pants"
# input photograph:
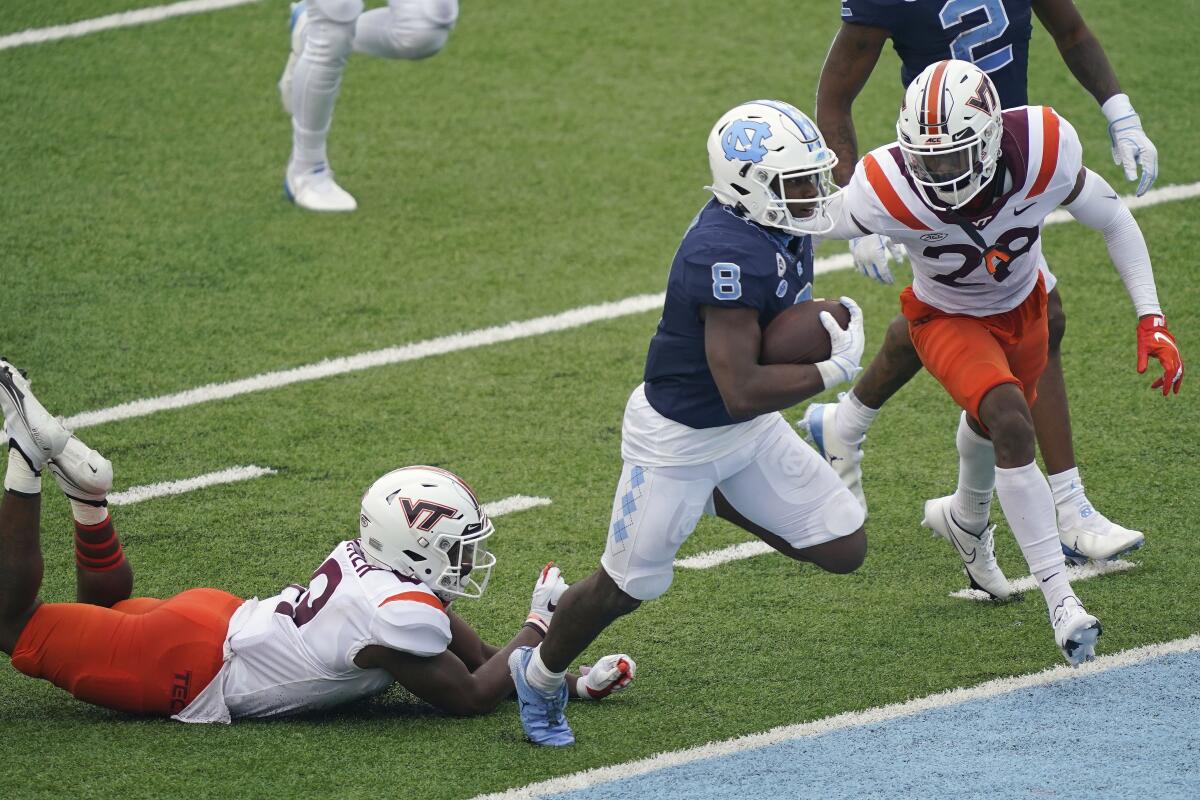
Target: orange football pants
(143, 656)
(970, 356)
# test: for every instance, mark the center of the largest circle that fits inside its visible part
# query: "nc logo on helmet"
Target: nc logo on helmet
(743, 140)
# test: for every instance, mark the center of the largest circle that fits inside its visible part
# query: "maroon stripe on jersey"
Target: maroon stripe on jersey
(1049, 152)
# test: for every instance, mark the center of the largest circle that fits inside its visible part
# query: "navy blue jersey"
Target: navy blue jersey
(726, 261)
(993, 34)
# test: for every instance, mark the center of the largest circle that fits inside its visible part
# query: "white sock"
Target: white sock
(315, 85)
(853, 418)
(19, 477)
(540, 677)
(1070, 498)
(86, 513)
(971, 503)
(1029, 507)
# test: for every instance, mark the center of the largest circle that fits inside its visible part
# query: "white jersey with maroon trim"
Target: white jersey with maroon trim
(978, 265)
(295, 651)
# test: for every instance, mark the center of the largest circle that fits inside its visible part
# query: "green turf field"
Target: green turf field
(549, 158)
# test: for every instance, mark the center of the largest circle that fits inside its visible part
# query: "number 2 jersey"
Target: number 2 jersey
(981, 264)
(295, 652)
(992, 34)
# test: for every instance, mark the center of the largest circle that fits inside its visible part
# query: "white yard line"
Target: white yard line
(124, 19)
(511, 505)
(850, 719)
(523, 329)
(1074, 574)
(714, 558)
(137, 494)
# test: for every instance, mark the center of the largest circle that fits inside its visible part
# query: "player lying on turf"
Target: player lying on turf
(966, 190)
(375, 612)
(703, 432)
(924, 32)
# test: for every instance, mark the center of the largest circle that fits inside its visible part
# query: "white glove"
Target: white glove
(871, 256)
(1131, 147)
(548, 590)
(846, 346)
(611, 674)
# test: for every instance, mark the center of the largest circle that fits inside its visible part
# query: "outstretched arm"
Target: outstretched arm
(848, 65)
(1083, 55)
(1094, 203)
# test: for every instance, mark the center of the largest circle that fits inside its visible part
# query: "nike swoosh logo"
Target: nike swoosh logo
(1048, 577)
(93, 469)
(963, 550)
(1019, 211)
(550, 607)
(1163, 338)
(1111, 196)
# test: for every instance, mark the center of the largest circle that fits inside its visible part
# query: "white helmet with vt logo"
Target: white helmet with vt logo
(426, 523)
(769, 161)
(949, 132)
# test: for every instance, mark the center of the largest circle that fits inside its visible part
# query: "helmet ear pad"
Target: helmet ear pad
(426, 523)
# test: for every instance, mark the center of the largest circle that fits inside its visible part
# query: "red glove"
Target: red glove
(1154, 339)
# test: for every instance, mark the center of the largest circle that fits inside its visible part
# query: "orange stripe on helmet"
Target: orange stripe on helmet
(933, 99)
(887, 195)
(1049, 151)
(416, 597)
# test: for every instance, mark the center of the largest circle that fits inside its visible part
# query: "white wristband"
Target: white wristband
(1117, 107)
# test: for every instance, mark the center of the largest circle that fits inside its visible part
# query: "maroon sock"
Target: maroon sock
(97, 548)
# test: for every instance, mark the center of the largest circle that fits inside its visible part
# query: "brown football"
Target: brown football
(796, 335)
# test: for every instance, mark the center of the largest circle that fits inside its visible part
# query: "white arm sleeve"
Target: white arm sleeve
(1098, 206)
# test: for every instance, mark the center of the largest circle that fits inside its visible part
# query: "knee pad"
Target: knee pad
(328, 42)
(420, 28)
(339, 10)
(842, 513)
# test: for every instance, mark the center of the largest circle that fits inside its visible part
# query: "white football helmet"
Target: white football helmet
(426, 523)
(949, 132)
(769, 160)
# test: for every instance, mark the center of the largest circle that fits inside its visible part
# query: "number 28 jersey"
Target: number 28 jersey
(978, 265)
(295, 651)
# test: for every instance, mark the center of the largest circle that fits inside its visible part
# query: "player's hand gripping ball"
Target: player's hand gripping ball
(796, 335)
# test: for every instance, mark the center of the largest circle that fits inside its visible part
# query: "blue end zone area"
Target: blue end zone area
(1130, 732)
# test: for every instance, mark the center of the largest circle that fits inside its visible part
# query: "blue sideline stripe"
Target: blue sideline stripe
(1125, 733)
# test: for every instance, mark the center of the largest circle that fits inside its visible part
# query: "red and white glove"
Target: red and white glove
(610, 674)
(548, 590)
(1153, 339)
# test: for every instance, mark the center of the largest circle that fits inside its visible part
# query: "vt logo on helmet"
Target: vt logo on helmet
(426, 523)
(770, 163)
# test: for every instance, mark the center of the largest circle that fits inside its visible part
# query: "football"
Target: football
(796, 335)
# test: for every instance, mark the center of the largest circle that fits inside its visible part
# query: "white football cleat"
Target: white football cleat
(297, 21)
(1075, 631)
(82, 473)
(977, 550)
(28, 426)
(845, 457)
(316, 190)
(1086, 534)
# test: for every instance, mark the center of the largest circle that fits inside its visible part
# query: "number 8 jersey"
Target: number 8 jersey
(981, 264)
(295, 652)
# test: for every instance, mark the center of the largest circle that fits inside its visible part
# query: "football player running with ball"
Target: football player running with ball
(703, 432)
(375, 612)
(966, 190)
(994, 35)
